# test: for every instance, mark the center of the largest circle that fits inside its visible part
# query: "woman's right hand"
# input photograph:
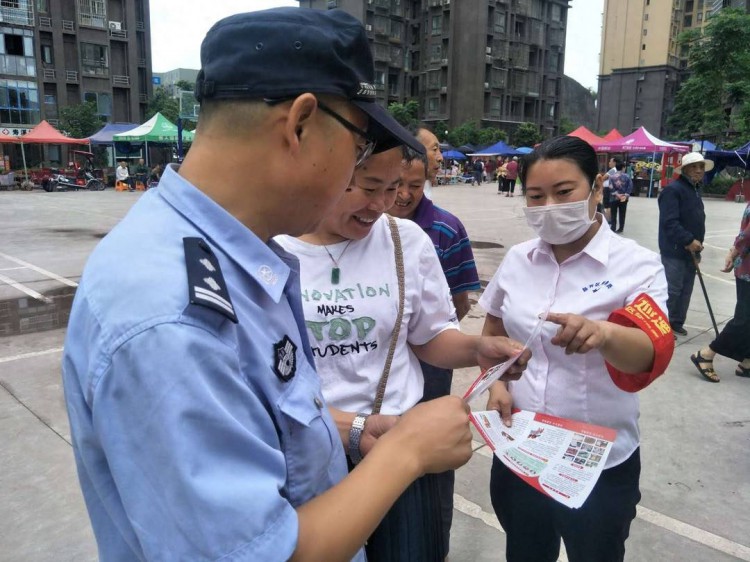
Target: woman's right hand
(729, 261)
(501, 400)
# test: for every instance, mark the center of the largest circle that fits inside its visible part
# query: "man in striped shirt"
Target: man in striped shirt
(457, 260)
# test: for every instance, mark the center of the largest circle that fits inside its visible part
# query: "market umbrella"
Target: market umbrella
(584, 134)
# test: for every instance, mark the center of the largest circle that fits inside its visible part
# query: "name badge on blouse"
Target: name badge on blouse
(285, 358)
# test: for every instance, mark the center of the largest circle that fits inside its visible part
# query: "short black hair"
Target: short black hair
(562, 148)
(410, 155)
(619, 164)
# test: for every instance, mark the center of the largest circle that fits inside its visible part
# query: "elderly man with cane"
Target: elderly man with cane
(682, 227)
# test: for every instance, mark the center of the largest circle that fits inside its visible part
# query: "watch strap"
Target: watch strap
(355, 436)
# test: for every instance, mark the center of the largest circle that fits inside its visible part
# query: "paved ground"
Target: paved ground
(696, 435)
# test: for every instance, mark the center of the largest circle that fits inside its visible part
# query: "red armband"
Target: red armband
(645, 314)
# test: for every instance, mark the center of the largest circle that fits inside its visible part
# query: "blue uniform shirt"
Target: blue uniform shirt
(195, 437)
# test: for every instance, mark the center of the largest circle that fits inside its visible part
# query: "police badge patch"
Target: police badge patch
(285, 359)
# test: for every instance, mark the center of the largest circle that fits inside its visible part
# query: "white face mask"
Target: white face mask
(562, 223)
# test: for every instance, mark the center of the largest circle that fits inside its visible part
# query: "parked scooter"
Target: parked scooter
(83, 179)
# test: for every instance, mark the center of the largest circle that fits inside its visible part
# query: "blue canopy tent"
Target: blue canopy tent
(454, 155)
(105, 134)
(497, 149)
(524, 149)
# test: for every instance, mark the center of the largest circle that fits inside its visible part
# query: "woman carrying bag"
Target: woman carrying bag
(376, 302)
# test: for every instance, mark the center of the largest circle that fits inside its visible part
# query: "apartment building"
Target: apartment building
(56, 53)
(642, 64)
(496, 62)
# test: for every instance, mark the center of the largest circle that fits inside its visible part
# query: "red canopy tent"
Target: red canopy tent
(584, 134)
(9, 138)
(613, 135)
(640, 140)
(44, 133)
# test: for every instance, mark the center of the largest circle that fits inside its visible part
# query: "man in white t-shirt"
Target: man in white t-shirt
(122, 174)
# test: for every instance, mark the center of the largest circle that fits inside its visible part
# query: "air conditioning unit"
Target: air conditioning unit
(368, 27)
(444, 61)
(486, 85)
(488, 50)
(115, 25)
(446, 2)
(444, 90)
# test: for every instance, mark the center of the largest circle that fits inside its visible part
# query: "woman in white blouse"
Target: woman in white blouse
(587, 363)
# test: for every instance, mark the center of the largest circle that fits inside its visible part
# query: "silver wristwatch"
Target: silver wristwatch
(355, 435)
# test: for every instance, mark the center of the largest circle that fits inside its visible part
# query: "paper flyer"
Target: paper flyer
(559, 457)
(485, 380)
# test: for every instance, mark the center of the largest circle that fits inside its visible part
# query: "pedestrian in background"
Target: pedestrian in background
(621, 187)
(682, 228)
(734, 339)
(511, 175)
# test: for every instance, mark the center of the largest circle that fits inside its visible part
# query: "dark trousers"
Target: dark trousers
(618, 208)
(535, 523)
(437, 383)
(680, 279)
(510, 185)
(734, 340)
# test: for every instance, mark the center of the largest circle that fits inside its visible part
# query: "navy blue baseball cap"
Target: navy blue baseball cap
(285, 52)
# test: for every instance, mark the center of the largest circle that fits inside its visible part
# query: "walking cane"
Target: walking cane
(705, 293)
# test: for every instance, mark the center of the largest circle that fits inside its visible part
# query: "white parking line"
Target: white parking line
(670, 524)
(723, 280)
(49, 274)
(24, 289)
(30, 354)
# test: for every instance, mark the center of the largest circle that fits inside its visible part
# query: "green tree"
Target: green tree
(463, 134)
(490, 135)
(405, 113)
(162, 102)
(526, 134)
(80, 121)
(715, 98)
(566, 126)
(184, 85)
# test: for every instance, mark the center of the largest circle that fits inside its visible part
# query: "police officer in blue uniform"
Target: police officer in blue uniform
(198, 425)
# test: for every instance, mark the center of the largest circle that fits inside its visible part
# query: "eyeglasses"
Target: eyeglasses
(364, 151)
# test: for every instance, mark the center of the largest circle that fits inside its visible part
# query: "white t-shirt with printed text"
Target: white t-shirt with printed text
(349, 324)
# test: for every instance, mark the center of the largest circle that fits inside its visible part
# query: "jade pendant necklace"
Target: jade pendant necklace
(336, 270)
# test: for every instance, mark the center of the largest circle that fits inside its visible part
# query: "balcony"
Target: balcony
(71, 76)
(120, 81)
(120, 34)
(49, 75)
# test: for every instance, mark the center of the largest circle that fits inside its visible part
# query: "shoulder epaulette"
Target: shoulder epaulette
(206, 284)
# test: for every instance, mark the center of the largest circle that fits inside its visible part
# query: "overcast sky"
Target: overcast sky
(177, 29)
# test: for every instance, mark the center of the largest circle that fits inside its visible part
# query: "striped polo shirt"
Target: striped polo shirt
(451, 244)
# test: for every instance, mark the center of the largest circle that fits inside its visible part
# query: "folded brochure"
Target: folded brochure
(561, 458)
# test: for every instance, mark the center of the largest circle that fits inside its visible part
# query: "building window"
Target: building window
(102, 100)
(433, 104)
(42, 6)
(645, 32)
(19, 103)
(645, 17)
(556, 13)
(643, 47)
(699, 17)
(379, 80)
(94, 59)
(50, 106)
(437, 25)
(495, 105)
(17, 11)
(92, 13)
(500, 22)
(381, 25)
(47, 57)
(17, 52)
(436, 53)
(396, 29)
(433, 79)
